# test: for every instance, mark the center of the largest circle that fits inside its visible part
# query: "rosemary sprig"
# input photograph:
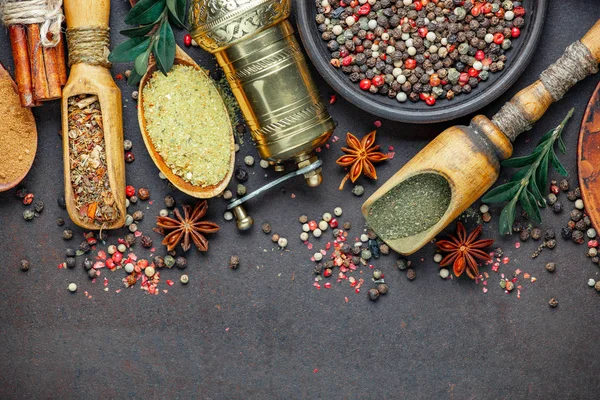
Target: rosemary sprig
(152, 33)
(524, 186)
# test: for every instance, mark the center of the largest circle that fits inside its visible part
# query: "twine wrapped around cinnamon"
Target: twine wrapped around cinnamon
(38, 50)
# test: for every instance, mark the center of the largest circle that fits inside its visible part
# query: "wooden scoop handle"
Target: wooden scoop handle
(528, 106)
(87, 13)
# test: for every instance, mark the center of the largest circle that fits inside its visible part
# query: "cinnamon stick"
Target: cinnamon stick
(36, 58)
(20, 52)
(62, 60)
(51, 62)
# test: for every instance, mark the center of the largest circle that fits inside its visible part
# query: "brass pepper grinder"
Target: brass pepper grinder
(254, 43)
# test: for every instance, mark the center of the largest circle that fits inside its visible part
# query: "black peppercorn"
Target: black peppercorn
(566, 233)
(581, 225)
(146, 241)
(85, 247)
(402, 264)
(536, 233)
(24, 265)
(382, 288)
(61, 202)
(69, 252)
(411, 274)
(347, 225)
(92, 273)
(557, 207)
(373, 294)
(169, 201)
(181, 262)
(572, 195)
(38, 206)
(60, 221)
(87, 264)
(318, 269)
(70, 262)
(550, 267)
(159, 262)
(241, 174)
(549, 234)
(577, 237)
(553, 303)
(266, 228)
(67, 234)
(517, 227)
(550, 243)
(130, 239)
(576, 215)
(564, 185)
(524, 235)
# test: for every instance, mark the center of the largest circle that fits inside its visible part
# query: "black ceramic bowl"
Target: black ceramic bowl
(518, 57)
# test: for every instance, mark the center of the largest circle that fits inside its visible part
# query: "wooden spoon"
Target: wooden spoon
(181, 58)
(95, 80)
(20, 159)
(588, 154)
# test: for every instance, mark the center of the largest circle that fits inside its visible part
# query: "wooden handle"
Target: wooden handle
(591, 40)
(87, 13)
(530, 104)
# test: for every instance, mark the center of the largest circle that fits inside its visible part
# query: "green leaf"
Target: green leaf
(129, 49)
(561, 145)
(520, 175)
(507, 218)
(177, 11)
(138, 31)
(518, 162)
(145, 12)
(536, 216)
(541, 201)
(164, 48)
(501, 193)
(558, 166)
(141, 62)
(529, 206)
(541, 174)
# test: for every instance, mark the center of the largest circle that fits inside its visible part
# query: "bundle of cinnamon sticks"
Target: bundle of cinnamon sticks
(40, 72)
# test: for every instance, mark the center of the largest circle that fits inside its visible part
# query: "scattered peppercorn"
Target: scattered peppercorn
(24, 265)
(169, 261)
(275, 238)
(70, 262)
(146, 241)
(553, 302)
(550, 267)
(266, 228)
(382, 288)
(87, 264)
(129, 157)
(234, 262)
(28, 215)
(138, 215)
(524, 235)
(67, 234)
(549, 234)
(564, 185)
(60, 221)
(184, 279)
(377, 274)
(557, 207)
(169, 201)
(536, 233)
(358, 190)
(38, 207)
(143, 194)
(241, 174)
(402, 264)
(181, 262)
(411, 274)
(130, 239)
(373, 294)
(347, 225)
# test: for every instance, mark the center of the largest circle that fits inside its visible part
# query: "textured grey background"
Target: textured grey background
(426, 339)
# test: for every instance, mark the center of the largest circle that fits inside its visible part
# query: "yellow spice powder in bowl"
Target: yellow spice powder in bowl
(186, 123)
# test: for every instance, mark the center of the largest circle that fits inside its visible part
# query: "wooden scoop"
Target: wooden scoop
(20, 125)
(588, 155)
(469, 156)
(95, 80)
(181, 58)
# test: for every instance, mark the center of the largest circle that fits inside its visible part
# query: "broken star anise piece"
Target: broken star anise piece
(463, 251)
(360, 156)
(182, 228)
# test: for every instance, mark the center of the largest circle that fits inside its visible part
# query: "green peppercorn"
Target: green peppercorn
(358, 190)
(365, 254)
(169, 261)
(28, 214)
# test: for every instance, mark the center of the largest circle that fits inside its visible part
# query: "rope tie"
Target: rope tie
(575, 64)
(48, 13)
(89, 46)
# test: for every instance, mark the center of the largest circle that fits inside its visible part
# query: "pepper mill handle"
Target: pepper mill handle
(87, 13)
(579, 61)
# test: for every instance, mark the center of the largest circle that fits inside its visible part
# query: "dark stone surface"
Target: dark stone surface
(263, 331)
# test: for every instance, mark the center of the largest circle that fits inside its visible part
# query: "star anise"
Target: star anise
(463, 251)
(182, 228)
(361, 154)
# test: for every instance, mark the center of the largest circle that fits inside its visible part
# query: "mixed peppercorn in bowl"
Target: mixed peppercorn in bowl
(420, 61)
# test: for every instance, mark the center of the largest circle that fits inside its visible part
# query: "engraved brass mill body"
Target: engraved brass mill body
(255, 45)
